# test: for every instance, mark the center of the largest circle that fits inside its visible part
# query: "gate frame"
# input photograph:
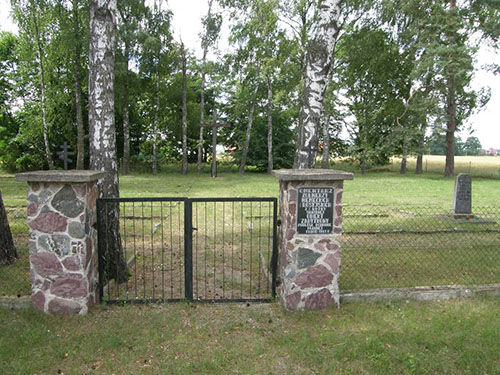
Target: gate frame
(188, 246)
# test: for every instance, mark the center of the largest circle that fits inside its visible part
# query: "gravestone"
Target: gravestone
(462, 197)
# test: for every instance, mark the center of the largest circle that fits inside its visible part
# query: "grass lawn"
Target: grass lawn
(447, 337)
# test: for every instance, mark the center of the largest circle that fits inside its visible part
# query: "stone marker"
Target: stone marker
(62, 245)
(462, 197)
(311, 222)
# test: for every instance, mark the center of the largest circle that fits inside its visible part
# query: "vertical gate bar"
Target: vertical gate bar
(180, 249)
(215, 246)
(152, 252)
(251, 247)
(260, 248)
(268, 265)
(241, 249)
(171, 251)
(162, 254)
(143, 253)
(100, 253)
(205, 251)
(196, 247)
(124, 240)
(188, 249)
(223, 249)
(232, 251)
(274, 259)
(135, 249)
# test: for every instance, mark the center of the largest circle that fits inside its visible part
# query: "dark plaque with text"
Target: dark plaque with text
(315, 210)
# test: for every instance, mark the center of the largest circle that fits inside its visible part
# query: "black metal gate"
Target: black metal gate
(201, 249)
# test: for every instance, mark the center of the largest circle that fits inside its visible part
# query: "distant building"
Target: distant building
(490, 151)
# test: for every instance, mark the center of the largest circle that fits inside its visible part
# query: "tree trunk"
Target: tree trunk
(420, 156)
(451, 88)
(202, 94)
(102, 128)
(249, 130)
(269, 125)
(126, 118)
(213, 171)
(202, 111)
(404, 157)
(325, 161)
(184, 113)
(155, 122)
(80, 144)
(319, 60)
(8, 252)
(48, 154)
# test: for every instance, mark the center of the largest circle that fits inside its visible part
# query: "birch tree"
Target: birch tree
(318, 62)
(212, 24)
(102, 126)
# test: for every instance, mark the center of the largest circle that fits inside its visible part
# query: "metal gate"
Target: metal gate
(201, 249)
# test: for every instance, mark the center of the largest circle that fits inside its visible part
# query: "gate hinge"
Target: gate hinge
(278, 222)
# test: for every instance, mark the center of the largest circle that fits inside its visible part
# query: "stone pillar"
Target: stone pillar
(63, 253)
(311, 222)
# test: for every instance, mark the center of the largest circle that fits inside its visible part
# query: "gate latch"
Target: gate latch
(278, 222)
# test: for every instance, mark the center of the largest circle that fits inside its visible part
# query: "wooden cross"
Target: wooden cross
(63, 155)
(214, 125)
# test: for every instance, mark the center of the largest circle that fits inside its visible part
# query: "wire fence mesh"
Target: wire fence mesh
(382, 247)
(394, 247)
(15, 278)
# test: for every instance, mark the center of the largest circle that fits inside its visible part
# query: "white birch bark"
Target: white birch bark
(184, 113)
(319, 60)
(102, 125)
(249, 130)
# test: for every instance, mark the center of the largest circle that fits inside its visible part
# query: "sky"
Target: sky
(187, 22)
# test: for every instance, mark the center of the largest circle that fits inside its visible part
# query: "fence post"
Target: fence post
(188, 249)
(63, 260)
(309, 250)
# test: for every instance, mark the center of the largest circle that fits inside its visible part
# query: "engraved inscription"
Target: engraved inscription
(315, 210)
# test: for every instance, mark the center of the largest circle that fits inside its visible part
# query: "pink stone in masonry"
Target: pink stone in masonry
(292, 195)
(72, 263)
(46, 264)
(338, 211)
(61, 306)
(319, 246)
(32, 209)
(34, 187)
(292, 300)
(315, 277)
(319, 300)
(332, 246)
(292, 208)
(82, 218)
(333, 262)
(70, 286)
(38, 301)
(289, 234)
(49, 222)
(338, 221)
(337, 230)
(338, 199)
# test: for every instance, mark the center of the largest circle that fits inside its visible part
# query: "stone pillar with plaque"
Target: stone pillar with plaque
(311, 223)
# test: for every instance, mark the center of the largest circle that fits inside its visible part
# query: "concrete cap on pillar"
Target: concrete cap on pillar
(61, 176)
(311, 175)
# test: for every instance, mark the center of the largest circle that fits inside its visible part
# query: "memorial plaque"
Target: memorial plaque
(315, 210)
(462, 199)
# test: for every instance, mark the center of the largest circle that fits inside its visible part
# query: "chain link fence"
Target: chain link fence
(15, 278)
(382, 247)
(397, 247)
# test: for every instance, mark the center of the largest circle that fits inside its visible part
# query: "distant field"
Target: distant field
(484, 166)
